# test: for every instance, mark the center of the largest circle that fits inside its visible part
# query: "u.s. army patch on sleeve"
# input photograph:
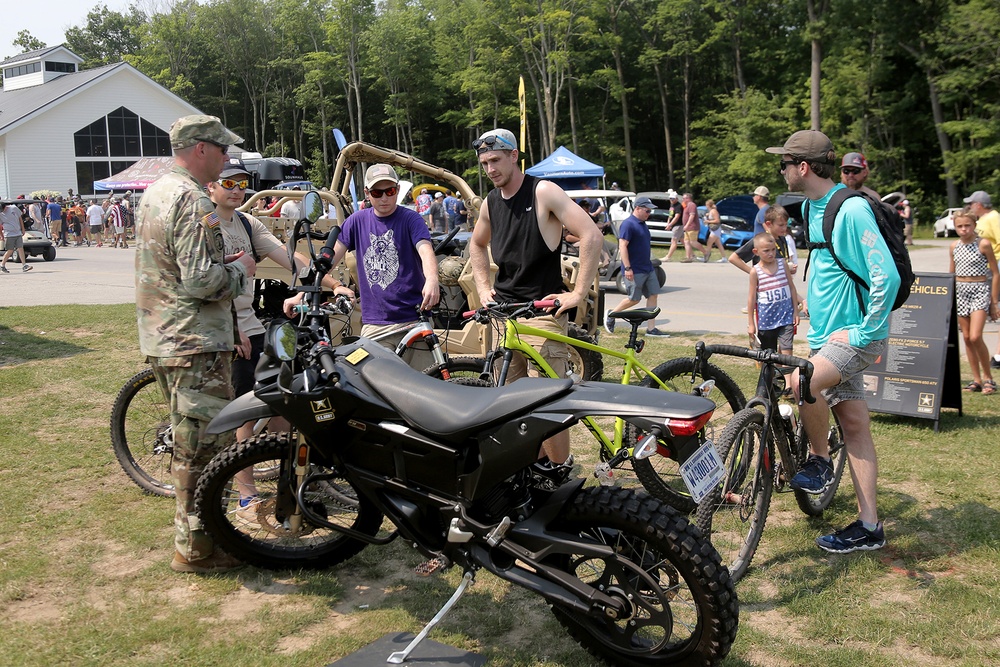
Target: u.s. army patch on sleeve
(212, 220)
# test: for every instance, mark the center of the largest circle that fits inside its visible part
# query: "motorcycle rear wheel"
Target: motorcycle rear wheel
(683, 606)
(262, 536)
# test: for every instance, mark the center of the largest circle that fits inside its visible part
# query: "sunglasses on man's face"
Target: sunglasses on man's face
(490, 143)
(785, 164)
(229, 184)
(384, 192)
(853, 171)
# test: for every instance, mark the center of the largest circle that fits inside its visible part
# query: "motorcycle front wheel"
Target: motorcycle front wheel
(681, 604)
(264, 531)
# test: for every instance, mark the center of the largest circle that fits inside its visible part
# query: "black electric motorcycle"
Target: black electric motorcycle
(454, 470)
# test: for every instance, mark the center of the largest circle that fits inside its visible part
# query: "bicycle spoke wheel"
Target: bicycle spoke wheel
(660, 475)
(141, 435)
(734, 513)
(814, 505)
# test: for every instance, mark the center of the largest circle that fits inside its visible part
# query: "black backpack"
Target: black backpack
(249, 230)
(889, 223)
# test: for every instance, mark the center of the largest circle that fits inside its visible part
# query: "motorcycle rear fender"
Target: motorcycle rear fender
(642, 406)
(243, 409)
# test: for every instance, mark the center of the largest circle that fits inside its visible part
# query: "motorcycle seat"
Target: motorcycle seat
(453, 411)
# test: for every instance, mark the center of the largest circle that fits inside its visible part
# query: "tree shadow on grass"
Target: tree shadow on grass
(17, 347)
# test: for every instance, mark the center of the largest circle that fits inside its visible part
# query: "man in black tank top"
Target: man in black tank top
(522, 222)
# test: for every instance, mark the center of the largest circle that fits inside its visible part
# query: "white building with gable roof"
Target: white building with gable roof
(62, 128)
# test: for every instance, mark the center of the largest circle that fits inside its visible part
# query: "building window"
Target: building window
(119, 138)
(92, 141)
(155, 142)
(21, 70)
(87, 173)
(54, 66)
(123, 133)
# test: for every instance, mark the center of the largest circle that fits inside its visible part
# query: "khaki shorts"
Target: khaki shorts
(691, 236)
(554, 353)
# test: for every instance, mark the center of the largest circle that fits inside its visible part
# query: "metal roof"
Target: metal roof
(18, 105)
(31, 55)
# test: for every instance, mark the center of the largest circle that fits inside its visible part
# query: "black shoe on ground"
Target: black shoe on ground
(994, 362)
(854, 537)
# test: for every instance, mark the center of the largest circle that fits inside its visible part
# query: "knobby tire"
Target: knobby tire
(685, 607)
(263, 538)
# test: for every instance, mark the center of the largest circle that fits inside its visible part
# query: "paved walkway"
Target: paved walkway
(700, 299)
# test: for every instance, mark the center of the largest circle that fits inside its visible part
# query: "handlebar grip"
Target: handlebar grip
(326, 253)
(326, 362)
(469, 313)
(545, 304)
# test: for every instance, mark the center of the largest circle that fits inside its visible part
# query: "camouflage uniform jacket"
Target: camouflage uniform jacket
(183, 291)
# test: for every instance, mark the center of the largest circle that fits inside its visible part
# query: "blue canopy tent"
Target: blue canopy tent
(568, 171)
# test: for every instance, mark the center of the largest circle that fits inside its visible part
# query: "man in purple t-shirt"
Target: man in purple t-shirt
(397, 269)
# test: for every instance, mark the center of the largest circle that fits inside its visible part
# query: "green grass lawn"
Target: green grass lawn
(84, 577)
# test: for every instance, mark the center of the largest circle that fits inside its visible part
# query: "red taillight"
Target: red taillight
(688, 426)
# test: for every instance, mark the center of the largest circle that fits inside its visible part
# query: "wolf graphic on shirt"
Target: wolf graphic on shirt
(381, 260)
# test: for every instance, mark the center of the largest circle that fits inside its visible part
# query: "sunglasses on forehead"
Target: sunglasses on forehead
(490, 143)
(384, 192)
(229, 184)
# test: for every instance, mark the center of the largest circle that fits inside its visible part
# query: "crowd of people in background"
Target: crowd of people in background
(70, 221)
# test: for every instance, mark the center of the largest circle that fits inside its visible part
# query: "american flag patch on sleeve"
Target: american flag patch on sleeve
(212, 220)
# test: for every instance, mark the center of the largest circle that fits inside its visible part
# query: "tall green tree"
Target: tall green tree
(107, 36)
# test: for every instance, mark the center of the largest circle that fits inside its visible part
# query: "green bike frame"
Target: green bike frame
(512, 341)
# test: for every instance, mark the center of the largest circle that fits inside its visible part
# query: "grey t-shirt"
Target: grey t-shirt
(234, 235)
(10, 217)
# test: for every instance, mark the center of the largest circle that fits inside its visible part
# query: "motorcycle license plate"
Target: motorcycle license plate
(702, 471)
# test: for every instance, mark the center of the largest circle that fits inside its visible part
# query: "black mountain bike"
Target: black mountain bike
(735, 510)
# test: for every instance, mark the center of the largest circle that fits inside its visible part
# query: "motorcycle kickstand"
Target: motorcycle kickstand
(400, 656)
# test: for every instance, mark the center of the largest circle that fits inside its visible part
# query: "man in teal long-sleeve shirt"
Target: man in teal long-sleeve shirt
(845, 336)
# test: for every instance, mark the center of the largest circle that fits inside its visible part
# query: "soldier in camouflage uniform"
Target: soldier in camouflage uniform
(185, 286)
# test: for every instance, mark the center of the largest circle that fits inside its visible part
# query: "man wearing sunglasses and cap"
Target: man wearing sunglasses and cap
(845, 336)
(397, 269)
(522, 223)
(184, 290)
(854, 172)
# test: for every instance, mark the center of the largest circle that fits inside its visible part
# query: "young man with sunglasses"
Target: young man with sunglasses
(228, 193)
(854, 172)
(844, 337)
(397, 269)
(184, 290)
(522, 223)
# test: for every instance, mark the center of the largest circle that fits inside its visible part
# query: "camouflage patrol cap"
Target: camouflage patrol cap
(189, 130)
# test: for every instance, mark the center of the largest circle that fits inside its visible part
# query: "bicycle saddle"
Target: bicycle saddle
(635, 315)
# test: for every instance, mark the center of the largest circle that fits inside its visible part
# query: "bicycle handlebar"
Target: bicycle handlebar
(704, 352)
(509, 308)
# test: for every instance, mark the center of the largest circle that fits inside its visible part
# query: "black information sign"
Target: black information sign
(919, 372)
